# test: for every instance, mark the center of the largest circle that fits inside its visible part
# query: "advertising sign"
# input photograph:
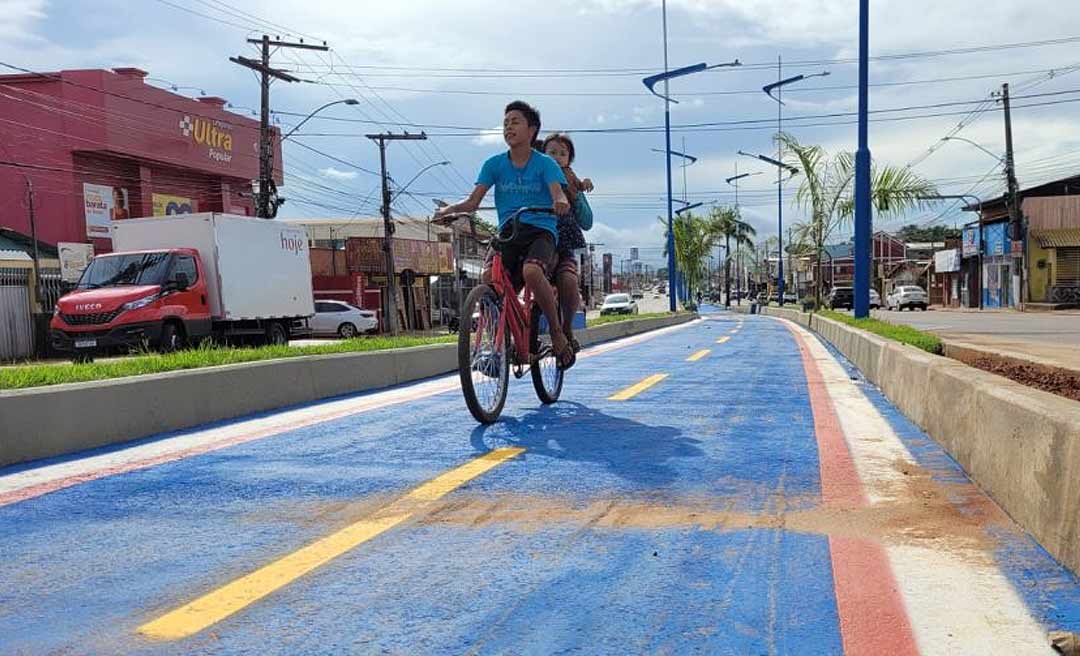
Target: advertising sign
(971, 241)
(74, 258)
(996, 239)
(103, 204)
(947, 261)
(166, 205)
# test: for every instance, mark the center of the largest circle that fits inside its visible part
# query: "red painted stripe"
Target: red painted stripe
(873, 619)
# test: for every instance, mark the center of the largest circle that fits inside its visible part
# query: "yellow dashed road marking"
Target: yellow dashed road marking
(637, 388)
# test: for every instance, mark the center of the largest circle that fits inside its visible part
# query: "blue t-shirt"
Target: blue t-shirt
(525, 187)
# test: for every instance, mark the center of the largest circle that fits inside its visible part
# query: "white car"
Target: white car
(906, 296)
(340, 318)
(618, 304)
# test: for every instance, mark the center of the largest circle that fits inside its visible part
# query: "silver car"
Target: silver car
(907, 296)
(618, 304)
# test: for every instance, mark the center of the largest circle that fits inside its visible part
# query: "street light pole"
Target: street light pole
(863, 217)
(347, 101)
(667, 164)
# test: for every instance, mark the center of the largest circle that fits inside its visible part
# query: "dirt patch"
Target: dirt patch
(1062, 382)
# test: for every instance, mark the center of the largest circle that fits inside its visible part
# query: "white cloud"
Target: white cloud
(335, 174)
(19, 18)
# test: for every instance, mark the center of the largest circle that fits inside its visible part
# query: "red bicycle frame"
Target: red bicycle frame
(515, 312)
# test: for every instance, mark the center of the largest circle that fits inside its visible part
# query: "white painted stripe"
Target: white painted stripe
(958, 600)
(276, 422)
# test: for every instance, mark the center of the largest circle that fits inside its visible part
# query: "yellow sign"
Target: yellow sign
(165, 205)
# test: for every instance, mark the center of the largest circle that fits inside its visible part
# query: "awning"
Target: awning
(1061, 238)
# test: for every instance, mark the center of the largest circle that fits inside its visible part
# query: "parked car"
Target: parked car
(875, 299)
(618, 304)
(906, 296)
(636, 294)
(841, 298)
(340, 318)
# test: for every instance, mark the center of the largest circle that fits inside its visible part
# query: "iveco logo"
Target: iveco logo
(88, 307)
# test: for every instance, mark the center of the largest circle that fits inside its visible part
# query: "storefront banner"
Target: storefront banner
(166, 205)
(947, 261)
(971, 241)
(74, 258)
(103, 204)
(996, 239)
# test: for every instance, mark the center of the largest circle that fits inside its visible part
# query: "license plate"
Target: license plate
(85, 343)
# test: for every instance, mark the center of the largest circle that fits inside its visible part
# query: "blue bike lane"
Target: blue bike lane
(681, 516)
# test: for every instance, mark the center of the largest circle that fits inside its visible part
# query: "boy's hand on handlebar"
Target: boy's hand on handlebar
(562, 207)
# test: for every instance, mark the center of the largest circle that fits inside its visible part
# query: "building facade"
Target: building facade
(102, 145)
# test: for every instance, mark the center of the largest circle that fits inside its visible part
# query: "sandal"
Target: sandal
(566, 356)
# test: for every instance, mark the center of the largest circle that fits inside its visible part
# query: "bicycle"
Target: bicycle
(498, 329)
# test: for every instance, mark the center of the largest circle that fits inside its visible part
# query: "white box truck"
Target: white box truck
(181, 279)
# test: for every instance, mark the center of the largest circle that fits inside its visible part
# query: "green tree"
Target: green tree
(693, 242)
(726, 222)
(827, 191)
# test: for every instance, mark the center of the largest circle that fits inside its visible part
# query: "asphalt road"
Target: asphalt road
(724, 487)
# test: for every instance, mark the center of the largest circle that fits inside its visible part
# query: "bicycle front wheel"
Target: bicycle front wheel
(547, 378)
(483, 357)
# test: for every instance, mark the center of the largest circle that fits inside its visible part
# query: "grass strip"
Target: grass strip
(612, 318)
(207, 355)
(903, 334)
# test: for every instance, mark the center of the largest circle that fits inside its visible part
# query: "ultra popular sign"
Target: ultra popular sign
(214, 134)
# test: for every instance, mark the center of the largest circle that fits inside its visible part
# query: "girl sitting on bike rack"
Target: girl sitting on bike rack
(560, 147)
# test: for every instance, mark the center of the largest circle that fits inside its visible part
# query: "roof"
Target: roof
(10, 240)
(18, 256)
(925, 245)
(840, 250)
(1061, 238)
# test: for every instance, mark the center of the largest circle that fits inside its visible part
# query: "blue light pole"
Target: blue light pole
(649, 83)
(862, 172)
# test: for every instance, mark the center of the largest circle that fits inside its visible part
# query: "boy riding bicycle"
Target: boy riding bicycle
(524, 177)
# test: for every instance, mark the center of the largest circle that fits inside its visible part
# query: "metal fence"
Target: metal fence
(16, 329)
(51, 289)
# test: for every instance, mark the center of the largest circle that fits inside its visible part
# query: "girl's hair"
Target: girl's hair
(563, 139)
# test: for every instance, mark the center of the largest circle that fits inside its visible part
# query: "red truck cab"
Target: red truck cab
(130, 300)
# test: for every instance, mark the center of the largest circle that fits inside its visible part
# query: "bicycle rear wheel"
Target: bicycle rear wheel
(547, 378)
(483, 359)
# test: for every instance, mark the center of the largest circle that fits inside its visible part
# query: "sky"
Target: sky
(449, 68)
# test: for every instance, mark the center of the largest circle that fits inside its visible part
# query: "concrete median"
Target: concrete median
(1020, 444)
(50, 421)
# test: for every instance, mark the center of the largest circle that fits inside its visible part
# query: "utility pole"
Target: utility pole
(1016, 232)
(388, 224)
(266, 208)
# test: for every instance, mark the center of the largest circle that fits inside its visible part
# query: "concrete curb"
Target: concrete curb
(1021, 445)
(50, 421)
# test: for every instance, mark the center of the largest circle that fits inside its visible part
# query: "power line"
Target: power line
(739, 92)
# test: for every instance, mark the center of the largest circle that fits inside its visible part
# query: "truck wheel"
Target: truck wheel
(347, 330)
(172, 339)
(276, 335)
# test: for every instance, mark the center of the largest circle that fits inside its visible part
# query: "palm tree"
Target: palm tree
(693, 241)
(726, 222)
(827, 191)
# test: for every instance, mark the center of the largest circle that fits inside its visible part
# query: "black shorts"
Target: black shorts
(532, 244)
